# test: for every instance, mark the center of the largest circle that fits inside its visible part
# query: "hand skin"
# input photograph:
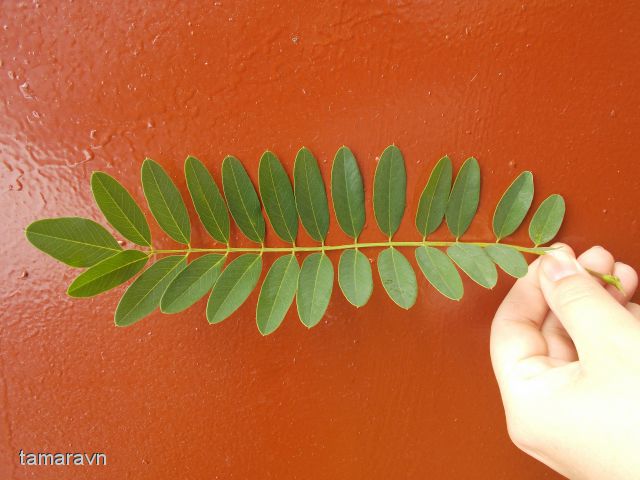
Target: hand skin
(566, 353)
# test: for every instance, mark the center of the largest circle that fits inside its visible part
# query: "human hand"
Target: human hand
(566, 353)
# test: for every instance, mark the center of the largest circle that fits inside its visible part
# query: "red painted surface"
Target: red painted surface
(369, 393)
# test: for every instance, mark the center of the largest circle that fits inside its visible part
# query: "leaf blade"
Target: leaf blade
(207, 199)
(233, 286)
(440, 272)
(355, 277)
(165, 202)
(192, 283)
(433, 200)
(144, 294)
(464, 198)
(347, 192)
(108, 274)
(277, 197)
(277, 293)
(389, 190)
(310, 195)
(242, 199)
(120, 209)
(473, 261)
(513, 206)
(75, 241)
(547, 220)
(510, 260)
(398, 278)
(315, 285)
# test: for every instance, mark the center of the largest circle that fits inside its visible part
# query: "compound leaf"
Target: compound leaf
(315, 284)
(389, 190)
(474, 261)
(233, 286)
(433, 201)
(207, 199)
(440, 271)
(398, 278)
(311, 197)
(242, 199)
(464, 198)
(513, 206)
(108, 274)
(165, 202)
(78, 242)
(277, 197)
(510, 260)
(144, 294)
(120, 209)
(347, 192)
(192, 283)
(547, 220)
(277, 293)
(355, 277)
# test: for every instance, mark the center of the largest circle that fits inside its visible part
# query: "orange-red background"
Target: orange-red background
(371, 393)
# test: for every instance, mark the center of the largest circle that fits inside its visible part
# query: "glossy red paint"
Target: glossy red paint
(372, 393)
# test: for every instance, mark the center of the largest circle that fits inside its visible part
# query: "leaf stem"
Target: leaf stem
(326, 248)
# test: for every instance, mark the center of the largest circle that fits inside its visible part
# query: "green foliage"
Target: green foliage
(315, 284)
(311, 197)
(389, 190)
(355, 277)
(108, 274)
(347, 192)
(174, 285)
(547, 220)
(207, 199)
(165, 202)
(192, 283)
(234, 285)
(433, 201)
(120, 209)
(78, 242)
(464, 197)
(397, 277)
(277, 197)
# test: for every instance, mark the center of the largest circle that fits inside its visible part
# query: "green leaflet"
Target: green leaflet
(355, 277)
(277, 292)
(440, 271)
(165, 202)
(120, 209)
(233, 286)
(347, 192)
(474, 261)
(315, 284)
(513, 206)
(389, 190)
(433, 201)
(192, 283)
(398, 278)
(242, 199)
(78, 242)
(144, 294)
(108, 273)
(311, 197)
(207, 199)
(464, 198)
(547, 220)
(277, 197)
(509, 259)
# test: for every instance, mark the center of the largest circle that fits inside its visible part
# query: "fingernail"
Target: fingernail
(557, 265)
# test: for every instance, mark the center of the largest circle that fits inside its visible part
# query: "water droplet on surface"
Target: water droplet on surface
(295, 39)
(24, 274)
(25, 90)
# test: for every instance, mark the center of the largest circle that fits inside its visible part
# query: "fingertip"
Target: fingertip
(629, 280)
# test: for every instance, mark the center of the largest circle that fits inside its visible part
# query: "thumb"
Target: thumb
(591, 316)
